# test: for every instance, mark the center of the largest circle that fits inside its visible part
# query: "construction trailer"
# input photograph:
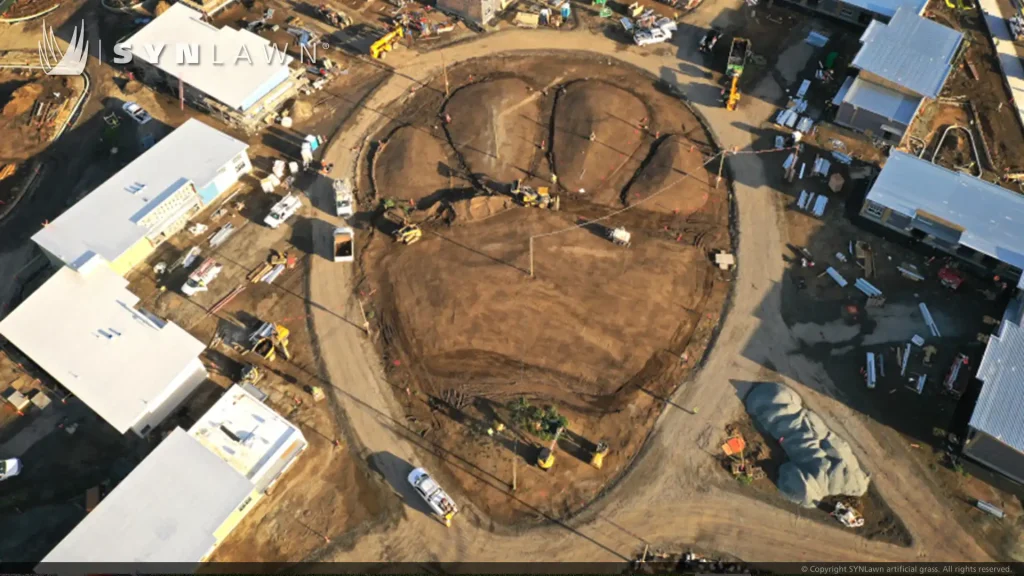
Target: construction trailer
(344, 244)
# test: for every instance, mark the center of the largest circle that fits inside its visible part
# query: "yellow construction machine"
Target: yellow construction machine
(269, 340)
(539, 198)
(386, 43)
(407, 232)
(546, 456)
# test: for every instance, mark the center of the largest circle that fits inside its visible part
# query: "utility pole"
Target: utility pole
(444, 69)
(531, 256)
(721, 165)
(515, 459)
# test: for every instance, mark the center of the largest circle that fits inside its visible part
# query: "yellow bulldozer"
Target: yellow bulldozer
(407, 232)
(387, 43)
(539, 198)
(269, 340)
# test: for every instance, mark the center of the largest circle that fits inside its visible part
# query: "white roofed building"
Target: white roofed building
(122, 221)
(130, 367)
(181, 502)
(233, 74)
(169, 509)
(256, 441)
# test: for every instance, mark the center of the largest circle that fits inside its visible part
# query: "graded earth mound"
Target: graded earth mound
(501, 141)
(601, 333)
(821, 463)
(414, 164)
(676, 174)
(601, 167)
(624, 305)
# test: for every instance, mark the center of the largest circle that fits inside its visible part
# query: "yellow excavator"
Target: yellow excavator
(539, 198)
(386, 43)
(407, 232)
(546, 456)
(269, 340)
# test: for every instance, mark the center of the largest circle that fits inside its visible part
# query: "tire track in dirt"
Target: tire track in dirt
(669, 497)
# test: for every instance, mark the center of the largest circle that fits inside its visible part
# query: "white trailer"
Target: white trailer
(283, 210)
(344, 201)
(344, 244)
(200, 278)
(436, 498)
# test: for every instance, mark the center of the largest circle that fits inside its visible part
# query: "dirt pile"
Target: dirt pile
(611, 115)
(821, 464)
(502, 140)
(22, 99)
(675, 172)
(301, 110)
(480, 207)
(414, 164)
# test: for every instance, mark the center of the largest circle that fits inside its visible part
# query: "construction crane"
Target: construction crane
(270, 339)
(738, 54)
(386, 43)
(546, 456)
(539, 198)
(407, 233)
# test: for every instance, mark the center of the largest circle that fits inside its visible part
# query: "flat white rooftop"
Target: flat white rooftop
(248, 435)
(166, 510)
(84, 332)
(221, 71)
(105, 222)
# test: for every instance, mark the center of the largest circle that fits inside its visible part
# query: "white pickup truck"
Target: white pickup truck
(344, 203)
(283, 210)
(9, 468)
(200, 278)
(660, 32)
(440, 503)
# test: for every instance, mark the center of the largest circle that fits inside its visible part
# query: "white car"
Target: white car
(136, 112)
(9, 468)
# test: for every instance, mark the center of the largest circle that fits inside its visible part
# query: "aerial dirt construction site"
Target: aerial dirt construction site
(503, 307)
(683, 286)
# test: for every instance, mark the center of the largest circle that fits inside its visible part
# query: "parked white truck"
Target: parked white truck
(660, 32)
(283, 210)
(436, 498)
(344, 201)
(344, 244)
(200, 278)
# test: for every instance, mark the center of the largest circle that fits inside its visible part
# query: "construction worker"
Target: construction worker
(593, 137)
(554, 179)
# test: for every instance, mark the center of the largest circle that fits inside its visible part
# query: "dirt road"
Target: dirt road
(667, 499)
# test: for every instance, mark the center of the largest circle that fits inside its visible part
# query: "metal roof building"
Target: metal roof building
(996, 436)
(910, 51)
(148, 200)
(235, 67)
(128, 366)
(883, 101)
(256, 441)
(167, 510)
(888, 8)
(956, 209)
